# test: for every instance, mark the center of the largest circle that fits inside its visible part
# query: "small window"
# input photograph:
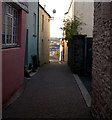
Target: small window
(9, 25)
(34, 24)
(42, 22)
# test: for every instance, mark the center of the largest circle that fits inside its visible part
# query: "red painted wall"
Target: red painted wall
(13, 62)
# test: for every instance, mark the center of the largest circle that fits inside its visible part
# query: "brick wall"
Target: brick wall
(102, 61)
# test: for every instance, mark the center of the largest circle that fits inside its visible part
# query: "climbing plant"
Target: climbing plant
(72, 27)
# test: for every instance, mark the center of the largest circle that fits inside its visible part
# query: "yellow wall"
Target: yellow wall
(65, 51)
(44, 37)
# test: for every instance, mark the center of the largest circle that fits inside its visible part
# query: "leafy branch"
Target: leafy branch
(72, 27)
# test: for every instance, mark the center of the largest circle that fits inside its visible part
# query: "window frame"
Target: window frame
(12, 13)
(42, 22)
(34, 24)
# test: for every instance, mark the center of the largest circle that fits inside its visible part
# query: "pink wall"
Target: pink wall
(13, 62)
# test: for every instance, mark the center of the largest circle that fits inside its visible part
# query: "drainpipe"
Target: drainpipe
(85, 56)
(38, 37)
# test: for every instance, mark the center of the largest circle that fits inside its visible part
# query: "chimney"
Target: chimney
(44, 6)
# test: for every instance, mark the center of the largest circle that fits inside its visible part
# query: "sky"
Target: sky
(61, 7)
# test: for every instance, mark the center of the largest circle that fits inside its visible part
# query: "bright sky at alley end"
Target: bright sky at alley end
(61, 7)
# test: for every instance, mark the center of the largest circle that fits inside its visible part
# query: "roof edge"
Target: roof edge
(44, 10)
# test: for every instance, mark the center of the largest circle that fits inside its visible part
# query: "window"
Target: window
(9, 25)
(42, 22)
(34, 24)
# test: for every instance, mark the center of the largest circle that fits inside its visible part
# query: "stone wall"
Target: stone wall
(102, 61)
(80, 54)
(76, 55)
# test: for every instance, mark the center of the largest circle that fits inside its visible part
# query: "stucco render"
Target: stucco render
(66, 16)
(0, 60)
(13, 62)
(65, 51)
(102, 61)
(32, 40)
(44, 37)
(85, 10)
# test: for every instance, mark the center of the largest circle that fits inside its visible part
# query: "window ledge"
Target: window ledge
(34, 35)
(9, 46)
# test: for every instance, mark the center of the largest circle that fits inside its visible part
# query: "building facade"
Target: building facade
(14, 23)
(102, 61)
(67, 15)
(44, 36)
(32, 33)
(66, 51)
(84, 11)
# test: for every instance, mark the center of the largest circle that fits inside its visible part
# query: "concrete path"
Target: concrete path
(51, 93)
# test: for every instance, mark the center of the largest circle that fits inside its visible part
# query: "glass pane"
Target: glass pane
(3, 28)
(15, 13)
(13, 39)
(7, 29)
(3, 38)
(14, 30)
(3, 8)
(3, 17)
(11, 22)
(10, 30)
(14, 22)
(11, 11)
(8, 9)
(8, 20)
(8, 38)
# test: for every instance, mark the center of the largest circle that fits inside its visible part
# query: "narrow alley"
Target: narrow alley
(51, 93)
(56, 59)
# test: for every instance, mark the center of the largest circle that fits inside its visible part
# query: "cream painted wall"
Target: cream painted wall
(44, 37)
(85, 10)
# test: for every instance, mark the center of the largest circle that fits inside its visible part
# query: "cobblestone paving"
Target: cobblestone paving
(51, 93)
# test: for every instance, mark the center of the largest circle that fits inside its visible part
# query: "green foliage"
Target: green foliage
(71, 27)
(57, 54)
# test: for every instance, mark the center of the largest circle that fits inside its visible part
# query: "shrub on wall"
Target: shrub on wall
(72, 27)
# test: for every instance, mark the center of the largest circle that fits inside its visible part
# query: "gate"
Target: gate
(80, 54)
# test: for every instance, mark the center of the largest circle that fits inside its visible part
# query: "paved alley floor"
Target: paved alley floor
(51, 93)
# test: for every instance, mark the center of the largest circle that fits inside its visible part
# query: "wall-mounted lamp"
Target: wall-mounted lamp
(54, 11)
